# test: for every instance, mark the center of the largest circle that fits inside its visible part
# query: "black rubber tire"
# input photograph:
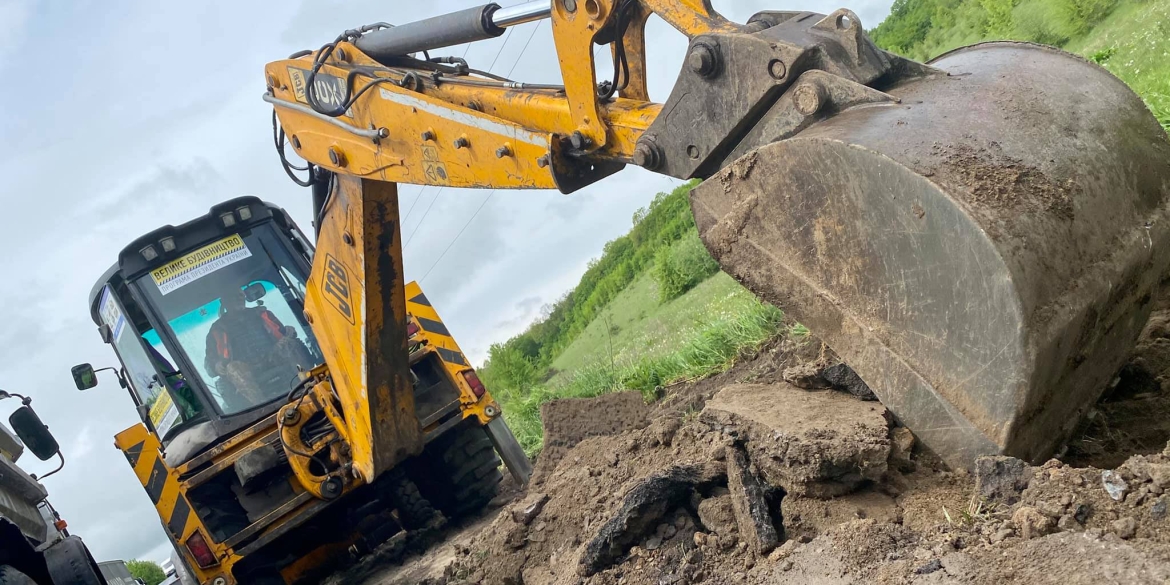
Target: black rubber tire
(69, 561)
(414, 511)
(460, 472)
(10, 576)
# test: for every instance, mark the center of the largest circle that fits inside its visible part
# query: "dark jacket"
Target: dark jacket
(244, 335)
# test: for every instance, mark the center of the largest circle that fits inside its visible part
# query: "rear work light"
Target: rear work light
(473, 381)
(199, 549)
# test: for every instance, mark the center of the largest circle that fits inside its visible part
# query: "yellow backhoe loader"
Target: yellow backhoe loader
(245, 448)
(979, 237)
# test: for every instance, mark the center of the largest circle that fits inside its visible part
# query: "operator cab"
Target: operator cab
(207, 319)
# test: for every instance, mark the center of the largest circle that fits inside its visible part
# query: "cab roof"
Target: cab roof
(188, 236)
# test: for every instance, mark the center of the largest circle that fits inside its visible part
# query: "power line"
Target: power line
(488, 198)
(501, 51)
(534, 29)
(424, 218)
(417, 196)
(428, 211)
(457, 236)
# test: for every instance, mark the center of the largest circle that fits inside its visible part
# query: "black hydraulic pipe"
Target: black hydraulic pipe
(322, 184)
(456, 28)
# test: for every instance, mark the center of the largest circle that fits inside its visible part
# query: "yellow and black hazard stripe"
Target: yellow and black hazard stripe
(144, 453)
(436, 332)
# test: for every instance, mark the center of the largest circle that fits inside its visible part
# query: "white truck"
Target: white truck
(35, 546)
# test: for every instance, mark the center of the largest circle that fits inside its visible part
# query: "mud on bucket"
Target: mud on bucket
(982, 251)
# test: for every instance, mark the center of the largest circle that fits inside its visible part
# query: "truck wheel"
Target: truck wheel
(460, 472)
(414, 511)
(10, 576)
(70, 562)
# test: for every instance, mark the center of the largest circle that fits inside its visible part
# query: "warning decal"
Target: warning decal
(111, 314)
(200, 263)
(163, 413)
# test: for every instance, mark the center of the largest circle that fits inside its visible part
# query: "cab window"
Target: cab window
(235, 308)
(145, 378)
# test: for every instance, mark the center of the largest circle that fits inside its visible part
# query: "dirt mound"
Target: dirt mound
(569, 421)
(745, 478)
(927, 526)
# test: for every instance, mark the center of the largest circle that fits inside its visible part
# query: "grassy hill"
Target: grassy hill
(1131, 38)
(636, 324)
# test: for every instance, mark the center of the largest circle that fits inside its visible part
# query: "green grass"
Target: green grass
(1131, 38)
(1133, 43)
(699, 351)
(636, 325)
(655, 230)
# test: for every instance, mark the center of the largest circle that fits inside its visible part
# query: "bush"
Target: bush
(508, 367)
(999, 23)
(1101, 56)
(1084, 14)
(150, 572)
(1040, 22)
(906, 26)
(683, 265)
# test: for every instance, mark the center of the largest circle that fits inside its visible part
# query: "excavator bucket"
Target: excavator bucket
(981, 247)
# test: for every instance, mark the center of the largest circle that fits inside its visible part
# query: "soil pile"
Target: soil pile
(747, 478)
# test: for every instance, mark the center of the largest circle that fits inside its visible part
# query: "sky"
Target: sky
(120, 117)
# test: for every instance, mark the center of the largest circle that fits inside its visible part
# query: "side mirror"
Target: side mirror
(254, 292)
(34, 433)
(84, 376)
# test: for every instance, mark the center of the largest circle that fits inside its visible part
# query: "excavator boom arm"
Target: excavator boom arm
(382, 114)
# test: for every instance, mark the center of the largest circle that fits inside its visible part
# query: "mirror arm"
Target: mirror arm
(121, 378)
(25, 400)
(59, 468)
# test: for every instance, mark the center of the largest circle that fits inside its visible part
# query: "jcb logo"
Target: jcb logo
(336, 287)
(330, 91)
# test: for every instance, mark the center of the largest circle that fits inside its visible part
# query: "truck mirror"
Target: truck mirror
(254, 292)
(84, 376)
(34, 433)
